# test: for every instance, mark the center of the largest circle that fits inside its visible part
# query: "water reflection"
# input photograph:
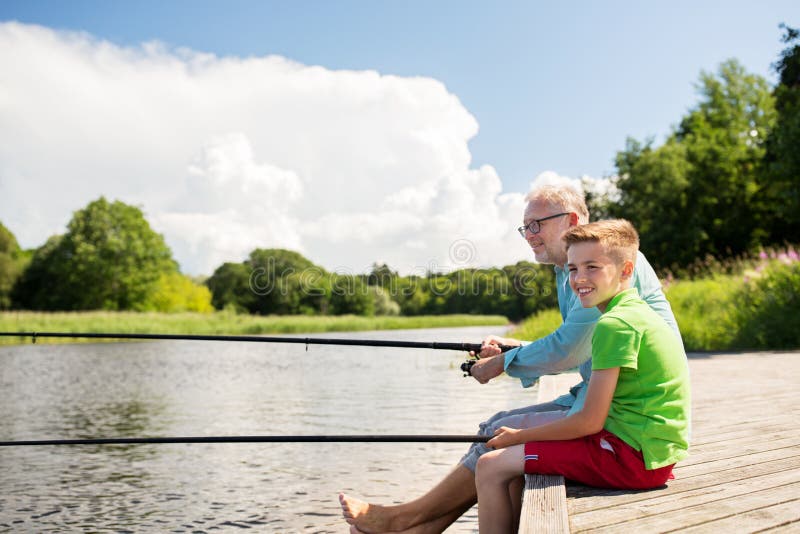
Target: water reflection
(194, 388)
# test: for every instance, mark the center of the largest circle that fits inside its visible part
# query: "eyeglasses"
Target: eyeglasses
(535, 226)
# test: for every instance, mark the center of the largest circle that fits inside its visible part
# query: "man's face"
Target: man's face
(547, 245)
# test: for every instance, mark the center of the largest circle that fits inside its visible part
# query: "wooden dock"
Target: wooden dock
(743, 472)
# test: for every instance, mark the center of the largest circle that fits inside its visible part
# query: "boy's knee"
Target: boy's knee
(485, 464)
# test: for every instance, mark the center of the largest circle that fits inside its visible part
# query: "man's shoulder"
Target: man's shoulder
(645, 279)
(642, 267)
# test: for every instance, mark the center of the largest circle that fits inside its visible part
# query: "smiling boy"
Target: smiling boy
(634, 424)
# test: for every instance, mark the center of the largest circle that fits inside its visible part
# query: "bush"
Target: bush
(384, 305)
(175, 292)
(768, 307)
(757, 309)
(705, 310)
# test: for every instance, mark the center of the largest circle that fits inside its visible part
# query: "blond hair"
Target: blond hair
(617, 236)
(564, 197)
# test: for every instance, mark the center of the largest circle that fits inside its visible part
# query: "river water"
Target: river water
(186, 388)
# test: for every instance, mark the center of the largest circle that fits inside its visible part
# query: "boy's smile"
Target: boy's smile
(594, 275)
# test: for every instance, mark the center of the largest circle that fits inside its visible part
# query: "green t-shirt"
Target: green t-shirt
(650, 409)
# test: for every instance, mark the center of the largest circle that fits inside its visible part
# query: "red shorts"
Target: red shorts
(602, 460)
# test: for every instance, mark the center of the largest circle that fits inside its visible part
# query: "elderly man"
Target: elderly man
(550, 211)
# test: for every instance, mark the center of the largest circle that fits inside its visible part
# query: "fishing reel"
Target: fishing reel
(475, 351)
(467, 366)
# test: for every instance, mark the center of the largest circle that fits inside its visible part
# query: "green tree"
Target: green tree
(383, 303)
(697, 194)
(351, 295)
(272, 281)
(532, 289)
(12, 263)
(285, 282)
(780, 183)
(230, 288)
(381, 275)
(411, 293)
(176, 292)
(654, 195)
(109, 259)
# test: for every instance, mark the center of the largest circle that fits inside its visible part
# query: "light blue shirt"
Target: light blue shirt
(570, 346)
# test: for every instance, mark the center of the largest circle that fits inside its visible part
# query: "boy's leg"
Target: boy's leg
(456, 491)
(515, 489)
(496, 469)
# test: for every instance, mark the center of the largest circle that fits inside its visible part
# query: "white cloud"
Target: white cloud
(228, 154)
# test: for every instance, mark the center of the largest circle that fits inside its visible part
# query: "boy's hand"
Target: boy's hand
(504, 437)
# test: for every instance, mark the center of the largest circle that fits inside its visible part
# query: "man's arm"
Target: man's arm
(566, 348)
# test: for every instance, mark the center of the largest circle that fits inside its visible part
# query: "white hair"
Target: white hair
(561, 193)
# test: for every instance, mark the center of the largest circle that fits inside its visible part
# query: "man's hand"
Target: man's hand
(485, 369)
(490, 346)
(504, 437)
(492, 364)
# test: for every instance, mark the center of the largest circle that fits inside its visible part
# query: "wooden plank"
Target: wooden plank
(544, 508)
(751, 437)
(743, 473)
(741, 447)
(790, 527)
(717, 512)
(544, 500)
(706, 496)
(724, 462)
(553, 386)
(721, 436)
(583, 498)
(784, 516)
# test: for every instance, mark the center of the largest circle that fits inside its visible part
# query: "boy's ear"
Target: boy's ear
(627, 270)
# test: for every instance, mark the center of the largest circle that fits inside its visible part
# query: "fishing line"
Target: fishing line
(259, 339)
(354, 438)
(437, 345)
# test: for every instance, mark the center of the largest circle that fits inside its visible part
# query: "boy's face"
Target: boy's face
(595, 276)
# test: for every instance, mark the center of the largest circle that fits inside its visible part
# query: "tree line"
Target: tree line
(725, 182)
(111, 259)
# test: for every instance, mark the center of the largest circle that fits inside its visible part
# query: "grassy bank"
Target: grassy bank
(537, 325)
(757, 309)
(755, 306)
(220, 323)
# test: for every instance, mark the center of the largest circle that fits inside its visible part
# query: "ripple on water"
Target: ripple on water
(190, 388)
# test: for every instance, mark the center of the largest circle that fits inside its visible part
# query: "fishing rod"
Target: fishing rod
(364, 438)
(438, 345)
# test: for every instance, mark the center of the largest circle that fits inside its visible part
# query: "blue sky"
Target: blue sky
(543, 87)
(554, 86)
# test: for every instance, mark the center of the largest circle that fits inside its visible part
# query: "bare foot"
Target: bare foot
(354, 530)
(367, 518)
